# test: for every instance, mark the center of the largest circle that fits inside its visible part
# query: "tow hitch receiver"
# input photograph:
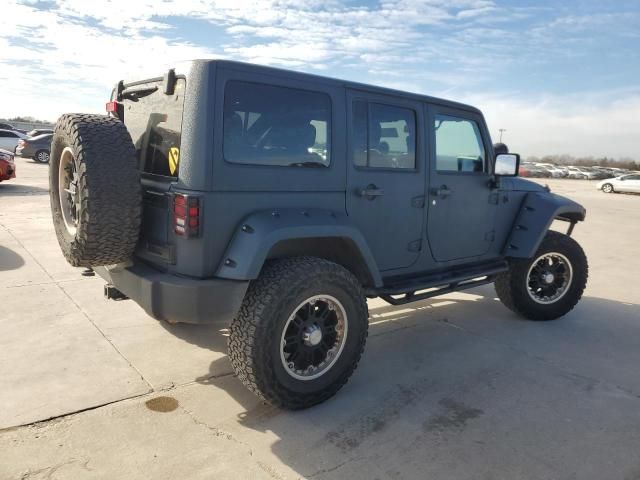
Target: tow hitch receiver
(112, 293)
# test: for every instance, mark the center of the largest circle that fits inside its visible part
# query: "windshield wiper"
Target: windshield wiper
(137, 93)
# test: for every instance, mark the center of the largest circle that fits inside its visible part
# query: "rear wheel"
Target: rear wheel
(548, 285)
(41, 156)
(95, 190)
(300, 332)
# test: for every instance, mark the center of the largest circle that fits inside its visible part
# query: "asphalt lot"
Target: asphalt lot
(450, 388)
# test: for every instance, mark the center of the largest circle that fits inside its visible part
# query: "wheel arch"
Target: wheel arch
(537, 212)
(283, 233)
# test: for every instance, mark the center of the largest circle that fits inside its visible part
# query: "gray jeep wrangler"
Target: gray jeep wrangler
(278, 202)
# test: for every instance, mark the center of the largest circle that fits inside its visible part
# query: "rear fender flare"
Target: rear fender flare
(258, 233)
(537, 212)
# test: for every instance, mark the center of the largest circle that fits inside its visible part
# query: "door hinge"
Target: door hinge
(494, 198)
(415, 246)
(417, 202)
(490, 236)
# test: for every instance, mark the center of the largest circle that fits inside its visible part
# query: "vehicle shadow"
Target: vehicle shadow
(11, 189)
(9, 260)
(429, 370)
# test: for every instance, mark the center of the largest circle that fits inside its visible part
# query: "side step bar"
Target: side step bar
(438, 284)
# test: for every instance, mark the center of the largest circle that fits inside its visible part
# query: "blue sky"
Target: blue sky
(561, 77)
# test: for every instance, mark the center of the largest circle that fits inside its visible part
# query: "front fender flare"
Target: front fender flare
(257, 234)
(536, 213)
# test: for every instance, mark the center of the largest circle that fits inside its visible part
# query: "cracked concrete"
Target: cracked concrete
(455, 387)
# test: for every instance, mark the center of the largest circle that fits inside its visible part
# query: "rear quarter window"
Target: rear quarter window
(276, 126)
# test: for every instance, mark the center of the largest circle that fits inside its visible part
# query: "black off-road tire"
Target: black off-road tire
(109, 190)
(512, 290)
(255, 333)
(42, 156)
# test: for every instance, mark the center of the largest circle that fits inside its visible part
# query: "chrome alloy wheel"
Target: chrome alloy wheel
(68, 191)
(313, 337)
(43, 157)
(549, 278)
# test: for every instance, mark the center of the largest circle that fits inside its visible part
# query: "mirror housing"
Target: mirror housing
(507, 165)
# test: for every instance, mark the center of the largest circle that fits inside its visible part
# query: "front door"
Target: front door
(629, 183)
(386, 176)
(461, 204)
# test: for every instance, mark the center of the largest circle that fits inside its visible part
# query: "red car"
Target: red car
(7, 165)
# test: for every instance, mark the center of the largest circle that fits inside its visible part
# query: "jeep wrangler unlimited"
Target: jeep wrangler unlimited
(278, 202)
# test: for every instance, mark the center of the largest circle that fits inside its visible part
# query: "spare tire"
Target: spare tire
(95, 190)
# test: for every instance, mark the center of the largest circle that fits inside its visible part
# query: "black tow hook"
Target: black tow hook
(112, 293)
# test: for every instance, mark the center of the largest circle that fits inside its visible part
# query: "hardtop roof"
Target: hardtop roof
(281, 72)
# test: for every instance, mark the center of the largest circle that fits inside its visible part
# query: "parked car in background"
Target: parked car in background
(39, 131)
(625, 183)
(9, 139)
(602, 172)
(8, 126)
(534, 171)
(37, 148)
(554, 171)
(581, 173)
(7, 165)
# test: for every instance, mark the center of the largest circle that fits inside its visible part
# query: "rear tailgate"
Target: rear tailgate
(152, 113)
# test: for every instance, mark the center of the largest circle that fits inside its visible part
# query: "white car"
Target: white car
(576, 172)
(9, 139)
(625, 183)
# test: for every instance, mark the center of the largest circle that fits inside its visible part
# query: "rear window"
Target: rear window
(276, 126)
(154, 121)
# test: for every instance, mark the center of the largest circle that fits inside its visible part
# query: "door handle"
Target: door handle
(371, 191)
(441, 192)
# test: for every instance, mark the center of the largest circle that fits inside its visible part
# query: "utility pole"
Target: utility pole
(501, 130)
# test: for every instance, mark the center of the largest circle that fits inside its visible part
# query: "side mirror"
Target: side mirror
(507, 165)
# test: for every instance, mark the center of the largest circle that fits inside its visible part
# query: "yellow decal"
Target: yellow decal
(174, 159)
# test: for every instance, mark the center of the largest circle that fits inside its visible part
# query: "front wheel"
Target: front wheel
(300, 332)
(548, 285)
(607, 188)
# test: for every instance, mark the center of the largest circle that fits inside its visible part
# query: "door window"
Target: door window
(8, 134)
(459, 146)
(383, 136)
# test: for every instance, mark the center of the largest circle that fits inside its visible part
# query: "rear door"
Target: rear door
(154, 121)
(386, 176)
(461, 204)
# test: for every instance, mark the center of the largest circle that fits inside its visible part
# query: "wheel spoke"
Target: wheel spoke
(311, 332)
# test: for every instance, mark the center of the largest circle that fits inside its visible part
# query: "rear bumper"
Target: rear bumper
(24, 152)
(177, 299)
(7, 170)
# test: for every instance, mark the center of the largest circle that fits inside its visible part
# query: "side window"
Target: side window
(277, 126)
(459, 146)
(383, 136)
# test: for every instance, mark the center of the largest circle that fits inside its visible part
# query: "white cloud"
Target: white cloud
(68, 57)
(583, 124)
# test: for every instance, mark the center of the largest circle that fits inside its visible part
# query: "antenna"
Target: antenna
(501, 130)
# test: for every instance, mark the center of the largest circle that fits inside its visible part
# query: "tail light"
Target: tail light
(186, 215)
(115, 108)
